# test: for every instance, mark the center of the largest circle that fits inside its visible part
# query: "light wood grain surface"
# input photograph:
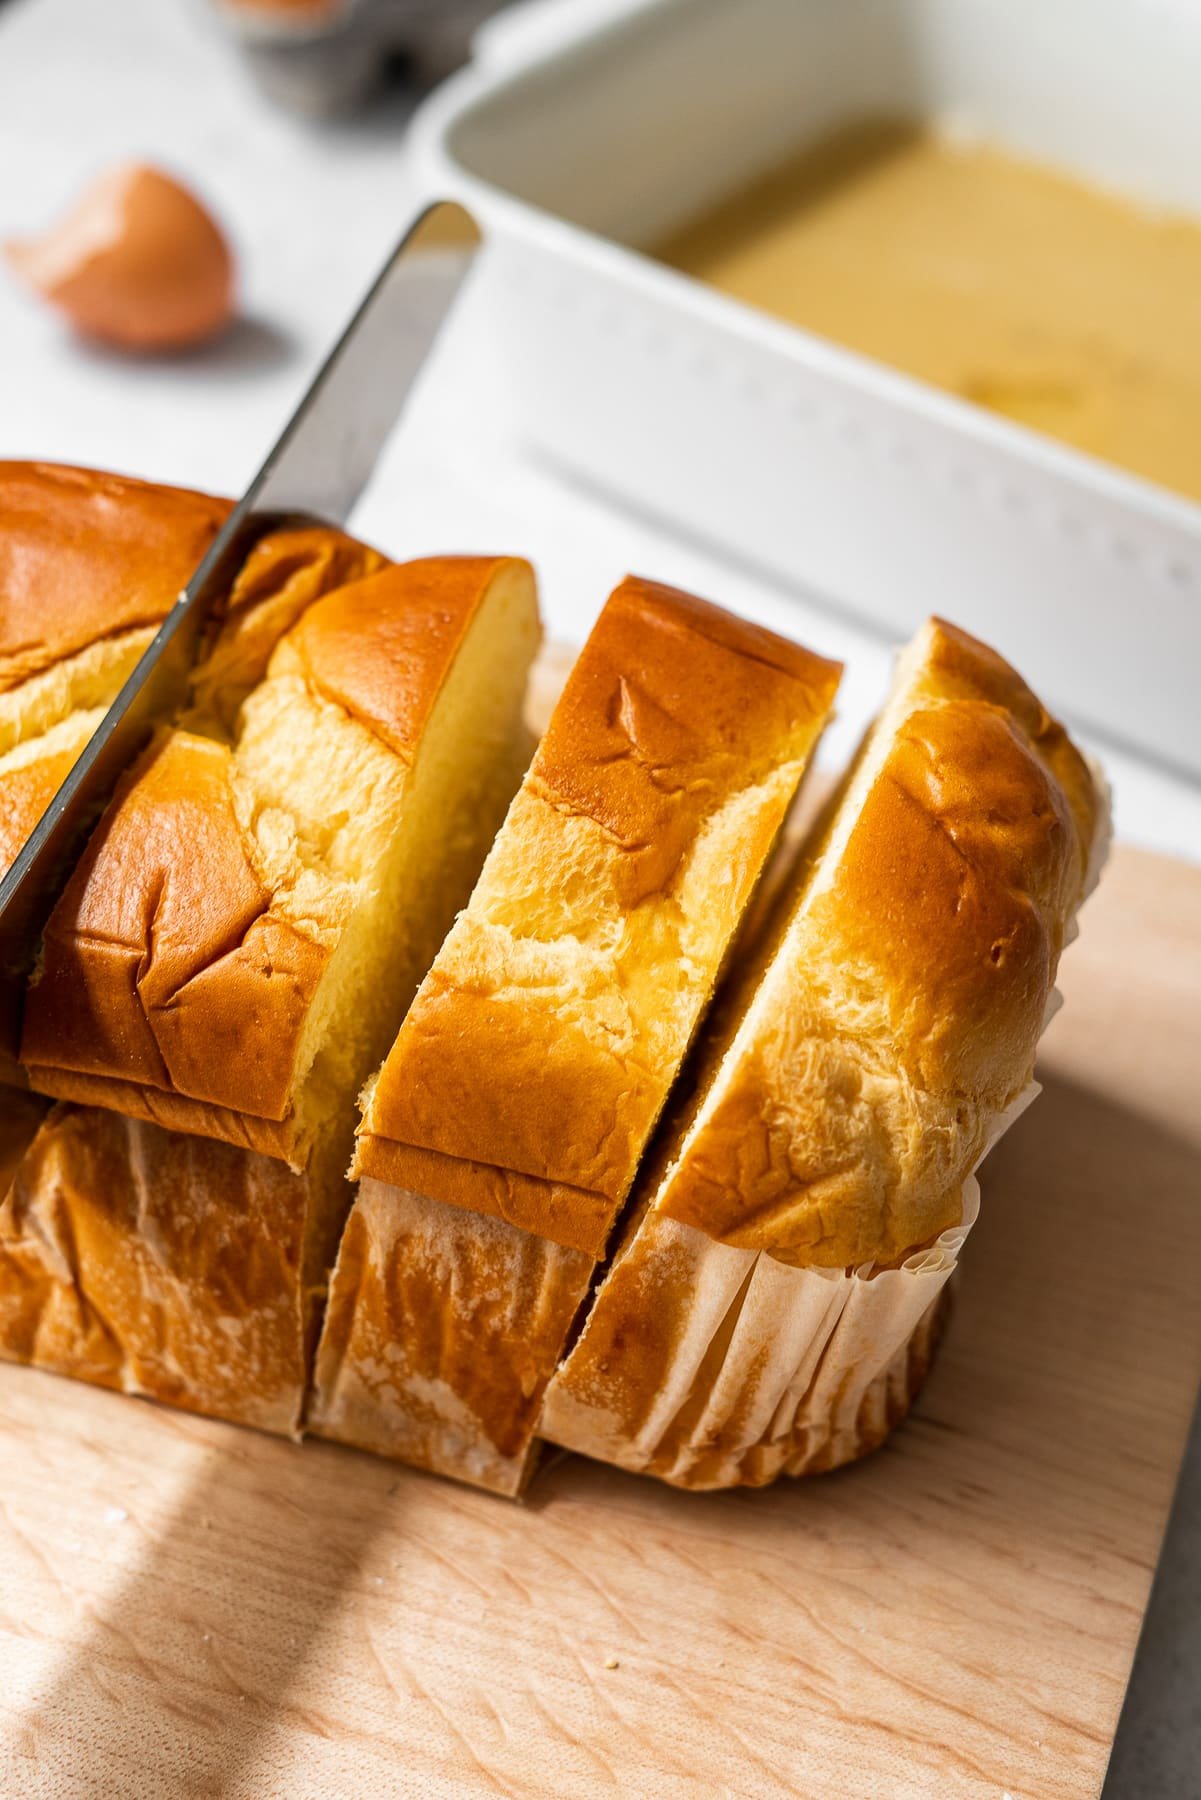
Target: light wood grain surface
(191, 1609)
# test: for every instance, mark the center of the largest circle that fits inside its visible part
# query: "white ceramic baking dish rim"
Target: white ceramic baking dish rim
(1111, 534)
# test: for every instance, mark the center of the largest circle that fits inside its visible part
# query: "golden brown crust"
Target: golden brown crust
(163, 963)
(903, 1007)
(544, 1039)
(283, 575)
(173, 967)
(85, 555)
(672, 707)
(575, 1218)
(162, 1265)
(384, 663)
(279, 1138)
(962, 667)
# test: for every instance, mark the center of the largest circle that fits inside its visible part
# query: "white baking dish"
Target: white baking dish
(584, 131)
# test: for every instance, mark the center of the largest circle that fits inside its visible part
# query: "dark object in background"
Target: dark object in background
(326, 56)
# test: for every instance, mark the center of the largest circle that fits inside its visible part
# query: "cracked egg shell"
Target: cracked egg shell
(138, 262)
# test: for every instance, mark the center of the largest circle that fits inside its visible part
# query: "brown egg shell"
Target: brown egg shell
(138, 262)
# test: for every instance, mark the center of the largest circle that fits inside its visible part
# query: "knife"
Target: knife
(317, 470)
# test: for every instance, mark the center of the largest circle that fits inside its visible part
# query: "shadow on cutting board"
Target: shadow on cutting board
(181, 1673)
(1082, 1265)
(313, 1594)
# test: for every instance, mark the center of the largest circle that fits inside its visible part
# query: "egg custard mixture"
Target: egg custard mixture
(1058, 305)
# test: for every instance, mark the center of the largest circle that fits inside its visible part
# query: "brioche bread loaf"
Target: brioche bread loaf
(263, 895)
(127, 1255)
(253, 913)
(870, 1055)
(505, 1128)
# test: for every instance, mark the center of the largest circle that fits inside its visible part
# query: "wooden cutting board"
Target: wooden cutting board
(187, 1608)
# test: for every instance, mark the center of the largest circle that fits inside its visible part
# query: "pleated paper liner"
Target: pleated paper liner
(751, 1368)
(711, 1366)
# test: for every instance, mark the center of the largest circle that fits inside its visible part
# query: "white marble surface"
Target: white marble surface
(313, 212)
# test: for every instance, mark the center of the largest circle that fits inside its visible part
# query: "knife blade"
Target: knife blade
(317, 470)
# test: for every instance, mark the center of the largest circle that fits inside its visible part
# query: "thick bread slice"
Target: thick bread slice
(867, 1058)
(901, 1011)
(166, 1265)
(506, 1126)
(234, 951)
(571, 986)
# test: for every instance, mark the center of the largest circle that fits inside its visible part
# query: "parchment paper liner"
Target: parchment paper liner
(160, 1265)
(755, 1369)
(442, 1330)
(817, 1365)
(765, 1369)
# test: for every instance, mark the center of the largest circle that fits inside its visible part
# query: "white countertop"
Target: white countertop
(313, 211)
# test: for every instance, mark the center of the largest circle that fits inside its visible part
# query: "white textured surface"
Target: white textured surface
(313, 212)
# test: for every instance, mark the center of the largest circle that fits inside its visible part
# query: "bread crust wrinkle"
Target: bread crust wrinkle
(902, 1013)
(190, 984)
(539, 1050)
